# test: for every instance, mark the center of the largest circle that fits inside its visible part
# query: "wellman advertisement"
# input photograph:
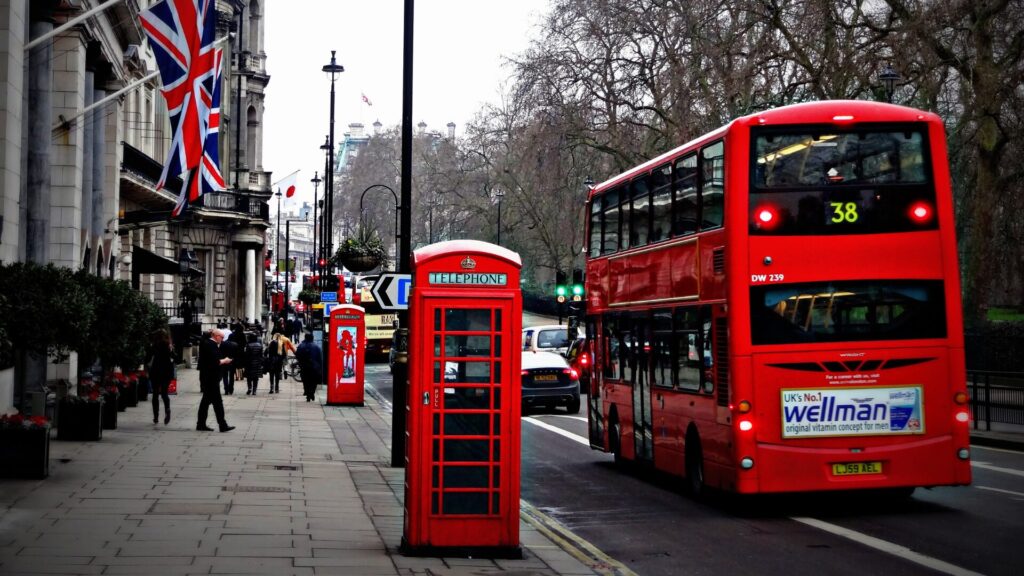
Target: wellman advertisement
(852, 412)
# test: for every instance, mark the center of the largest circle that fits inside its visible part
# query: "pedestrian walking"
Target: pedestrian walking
(160, 366)
(310, 366)
(240, 341)
(253, 363)
(212, 364)
(277, 354)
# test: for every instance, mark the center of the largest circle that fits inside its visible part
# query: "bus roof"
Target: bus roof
(821, 112)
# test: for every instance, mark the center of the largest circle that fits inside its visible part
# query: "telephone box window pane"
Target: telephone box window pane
(437, 476)
(465, 476)
(467, 398)
(465, 503)
(434, 500)
(495, 502)
(437, 345)
(497, 424)
(437, 372)
(437, 451)
(497, 348)
(497, 398)
(437, 424)
(467, 372)
(462, 346)
(465, 451)
(467, 319)
(497, 372)
(497, 320)
(437, 319)
(497, 451)
(466, 424)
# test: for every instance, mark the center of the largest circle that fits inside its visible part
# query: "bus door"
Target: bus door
(595, 418)
(638, 374)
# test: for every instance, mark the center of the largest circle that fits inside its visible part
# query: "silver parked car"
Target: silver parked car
(547, 380)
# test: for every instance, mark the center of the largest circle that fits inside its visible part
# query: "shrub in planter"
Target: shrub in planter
(81, 417)
(24, 446)
(362, 252)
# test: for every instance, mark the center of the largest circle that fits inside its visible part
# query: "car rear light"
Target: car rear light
(572, 373)
(524, 373)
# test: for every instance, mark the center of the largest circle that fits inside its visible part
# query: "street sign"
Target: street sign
(391, 291)
(328, 296)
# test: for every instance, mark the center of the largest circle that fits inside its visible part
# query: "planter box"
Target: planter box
(110, 411)
(360, 263)
(127, 397)
(25, 453)
(79, 420)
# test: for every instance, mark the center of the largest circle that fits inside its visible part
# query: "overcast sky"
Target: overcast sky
(457, 66)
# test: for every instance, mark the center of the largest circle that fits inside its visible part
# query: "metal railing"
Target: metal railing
(996, 397)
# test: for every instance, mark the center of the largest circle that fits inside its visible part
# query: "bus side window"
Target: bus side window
(595, 227)
(610, 357)
(707, 355)
(661, 349)
(687, 350)
(712, 193)
(610, 231)
(684, 197)
(640, 218)
(661, 203)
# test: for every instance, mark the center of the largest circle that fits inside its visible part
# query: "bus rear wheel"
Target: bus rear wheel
(695, 466)
(615, 441)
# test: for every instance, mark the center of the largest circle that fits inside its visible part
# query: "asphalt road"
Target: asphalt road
(648, 523)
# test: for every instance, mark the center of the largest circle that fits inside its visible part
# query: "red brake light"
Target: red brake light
(572, 373)
(921, 212)
(766, 217)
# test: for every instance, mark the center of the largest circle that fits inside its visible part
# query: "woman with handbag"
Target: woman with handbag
(161, 370)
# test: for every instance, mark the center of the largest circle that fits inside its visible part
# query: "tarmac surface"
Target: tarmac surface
(297, 488)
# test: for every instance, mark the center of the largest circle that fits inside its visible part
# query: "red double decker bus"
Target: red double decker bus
(775, 306)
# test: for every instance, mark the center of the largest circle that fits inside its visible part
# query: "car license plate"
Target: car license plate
(854, 468)
(545, 378)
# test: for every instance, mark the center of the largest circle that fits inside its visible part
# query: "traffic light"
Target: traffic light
(577, 292)
(561, 288)
(560, 292)
(322, 263)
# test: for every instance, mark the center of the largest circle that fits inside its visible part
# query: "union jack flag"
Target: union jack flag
(182, 34)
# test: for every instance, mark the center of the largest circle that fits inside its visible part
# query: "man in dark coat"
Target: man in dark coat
(310, 365)
(211, 366)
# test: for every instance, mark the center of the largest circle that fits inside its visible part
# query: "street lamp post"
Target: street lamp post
(398, 210)
(499, 194)
(277, 244)
(333, 70)
(315, 264)
(889, 78)
(327, 148)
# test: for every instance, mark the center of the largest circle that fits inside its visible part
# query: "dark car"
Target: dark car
(548, 381)
(580, 359)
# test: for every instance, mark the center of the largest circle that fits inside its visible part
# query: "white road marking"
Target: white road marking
(569, 417)
(987, 466)
(888, 547)
(557, 430)
(977, 447)
(1011, 492)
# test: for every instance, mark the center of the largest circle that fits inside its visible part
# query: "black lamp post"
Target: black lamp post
(398, 210)
(499, 194)
(277, 244)
(324, 206)
(333, 70)
(316, 255)
(889, 78)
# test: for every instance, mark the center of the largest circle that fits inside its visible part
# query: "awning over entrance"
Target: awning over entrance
(146, 262)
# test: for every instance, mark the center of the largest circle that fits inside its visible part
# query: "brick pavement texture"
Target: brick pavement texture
(298, 488)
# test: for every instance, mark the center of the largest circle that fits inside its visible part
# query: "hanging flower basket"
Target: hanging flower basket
(360, 263)
(363, 252)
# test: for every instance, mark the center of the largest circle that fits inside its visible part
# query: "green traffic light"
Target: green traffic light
(559, 290)
(577, 290)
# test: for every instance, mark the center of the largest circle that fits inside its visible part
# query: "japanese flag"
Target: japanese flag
(288, 187)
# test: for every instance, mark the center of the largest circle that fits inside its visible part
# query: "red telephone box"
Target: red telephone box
(462, 456)
(346, 347)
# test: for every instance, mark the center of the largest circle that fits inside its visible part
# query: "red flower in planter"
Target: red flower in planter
(16, 421)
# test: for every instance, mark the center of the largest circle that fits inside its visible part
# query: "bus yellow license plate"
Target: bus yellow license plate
(854, 468)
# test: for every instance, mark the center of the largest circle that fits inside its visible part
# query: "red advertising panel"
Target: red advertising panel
(347, 348)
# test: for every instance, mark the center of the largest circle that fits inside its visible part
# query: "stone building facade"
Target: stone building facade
(84, 133)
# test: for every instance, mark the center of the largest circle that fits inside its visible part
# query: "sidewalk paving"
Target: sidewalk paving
(297, 488)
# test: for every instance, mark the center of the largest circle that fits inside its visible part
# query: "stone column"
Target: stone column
(98, 149)
(66, 178)
(40, 121)
(86, 125)
(250, 285)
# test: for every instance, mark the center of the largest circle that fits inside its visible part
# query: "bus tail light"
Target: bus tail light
(921, 212)
(584, 359)
(746, 425)
(963, 454)
(963, 417)
(747, 463)
(766, 217)
(743, 407)
(960, 398)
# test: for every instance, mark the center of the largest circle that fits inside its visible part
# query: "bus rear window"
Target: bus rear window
(851, 311)
(809, 158)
